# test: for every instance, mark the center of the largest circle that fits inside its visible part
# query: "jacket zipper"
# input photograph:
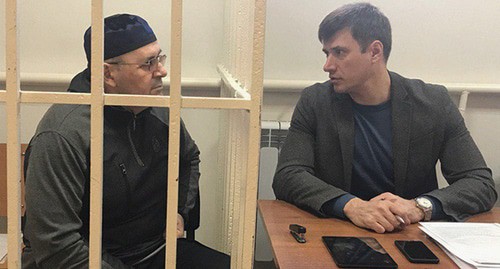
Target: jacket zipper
(131, 141)
(127, 185)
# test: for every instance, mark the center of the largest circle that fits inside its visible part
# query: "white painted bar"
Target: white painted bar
(232, 83)
(463, 102)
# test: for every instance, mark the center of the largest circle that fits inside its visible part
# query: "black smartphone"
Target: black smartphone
(416, 251)
(358, 252)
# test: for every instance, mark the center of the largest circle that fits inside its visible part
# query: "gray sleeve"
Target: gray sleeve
(471, 189)
(295, 180)
(55, 180)
(189, 173)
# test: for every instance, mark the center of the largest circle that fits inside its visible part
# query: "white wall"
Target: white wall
(436, 40)
(51, 33)
(441, 41)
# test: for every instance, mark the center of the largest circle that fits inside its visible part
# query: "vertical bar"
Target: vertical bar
(462, 105)
(237, 19)
(240, 49)
(230, 182)
(174, 136)
(96, 134)
(241, 159)
(248, 235)
(13, 139)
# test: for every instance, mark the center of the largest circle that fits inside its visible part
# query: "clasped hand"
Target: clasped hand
(381, 213)
(180, 227)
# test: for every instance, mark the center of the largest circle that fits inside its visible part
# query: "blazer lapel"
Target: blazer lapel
(401, 119)
(342, 106)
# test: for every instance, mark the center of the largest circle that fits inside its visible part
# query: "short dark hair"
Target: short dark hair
(366, 22)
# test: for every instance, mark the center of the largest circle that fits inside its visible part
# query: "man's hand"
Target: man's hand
(381, 213)
(180, 226)
(376, 215)
(406, 209)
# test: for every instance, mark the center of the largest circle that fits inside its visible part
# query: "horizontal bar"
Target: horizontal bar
(132, 100)
(471, 87)
(275, 125)
(54, 97)
(215, 103)
(136, 100)
(84, 98)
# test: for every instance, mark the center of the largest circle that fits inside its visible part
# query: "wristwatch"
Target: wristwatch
(426, 206)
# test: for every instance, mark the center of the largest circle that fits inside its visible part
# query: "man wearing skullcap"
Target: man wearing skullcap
(57, 168)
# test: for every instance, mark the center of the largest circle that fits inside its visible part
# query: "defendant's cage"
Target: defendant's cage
(242, 76)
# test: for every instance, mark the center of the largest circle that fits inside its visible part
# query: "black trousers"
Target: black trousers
(190, 255)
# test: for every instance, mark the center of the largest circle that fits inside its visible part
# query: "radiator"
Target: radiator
(273, 134)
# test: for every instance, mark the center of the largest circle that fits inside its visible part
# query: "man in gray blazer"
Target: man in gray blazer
(363, 145)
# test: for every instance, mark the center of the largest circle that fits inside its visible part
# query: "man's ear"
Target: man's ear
(376, 49)
(108, 76)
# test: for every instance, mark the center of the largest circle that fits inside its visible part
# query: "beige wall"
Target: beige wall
(441, 41)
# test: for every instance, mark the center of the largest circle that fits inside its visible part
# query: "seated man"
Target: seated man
(364, 144)
(56, 232)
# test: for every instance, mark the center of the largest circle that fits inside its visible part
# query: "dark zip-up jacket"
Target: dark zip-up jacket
(135, 166)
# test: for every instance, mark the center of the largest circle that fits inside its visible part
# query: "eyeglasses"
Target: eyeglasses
(151, 64)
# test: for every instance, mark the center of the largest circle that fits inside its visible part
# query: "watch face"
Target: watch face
(424, 203)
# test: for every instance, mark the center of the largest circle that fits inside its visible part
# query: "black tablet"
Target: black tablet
(358, 252)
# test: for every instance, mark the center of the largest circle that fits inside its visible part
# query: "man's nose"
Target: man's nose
(329, 65)
(161, 71)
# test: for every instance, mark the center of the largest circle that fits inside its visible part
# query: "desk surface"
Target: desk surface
(289, 254)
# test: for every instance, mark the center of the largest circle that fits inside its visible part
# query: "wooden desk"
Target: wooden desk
(289, 254)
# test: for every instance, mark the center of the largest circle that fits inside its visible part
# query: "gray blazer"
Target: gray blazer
(315, 163)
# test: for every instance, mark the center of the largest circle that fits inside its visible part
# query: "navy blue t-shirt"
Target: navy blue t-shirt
(372, 170)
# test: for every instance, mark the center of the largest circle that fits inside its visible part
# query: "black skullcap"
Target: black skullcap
(122, 33)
